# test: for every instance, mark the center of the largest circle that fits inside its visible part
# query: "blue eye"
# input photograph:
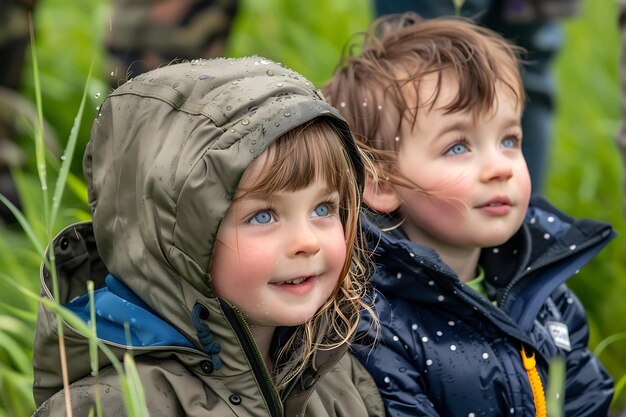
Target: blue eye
(321, 210)
(262, 217)
(457, 148)
(510, 142)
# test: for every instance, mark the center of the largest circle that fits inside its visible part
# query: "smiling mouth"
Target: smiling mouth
(291, 281)
(295, 281)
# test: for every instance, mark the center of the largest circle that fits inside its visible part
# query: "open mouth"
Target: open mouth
(294, 281)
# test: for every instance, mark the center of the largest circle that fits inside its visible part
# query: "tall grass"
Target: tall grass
(584, 173)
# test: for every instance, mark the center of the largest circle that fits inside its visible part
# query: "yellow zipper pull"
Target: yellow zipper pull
(530, 365)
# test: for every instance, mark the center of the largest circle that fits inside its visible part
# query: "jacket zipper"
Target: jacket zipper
(514, 281)
(261, 373)
(536, 387)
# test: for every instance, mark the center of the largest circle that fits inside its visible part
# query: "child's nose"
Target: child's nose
(496, 167)
(304, 241)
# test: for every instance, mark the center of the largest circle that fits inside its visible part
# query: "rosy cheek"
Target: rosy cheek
(337, 251)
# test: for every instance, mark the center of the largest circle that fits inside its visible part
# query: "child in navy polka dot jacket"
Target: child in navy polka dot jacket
(470, 274)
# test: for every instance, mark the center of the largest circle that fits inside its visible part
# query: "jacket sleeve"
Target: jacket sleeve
(588, 386)
(395, 363)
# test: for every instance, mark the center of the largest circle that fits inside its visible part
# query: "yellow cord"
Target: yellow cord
(535, 383)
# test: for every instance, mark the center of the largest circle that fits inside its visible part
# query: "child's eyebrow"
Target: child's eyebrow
(455, 125)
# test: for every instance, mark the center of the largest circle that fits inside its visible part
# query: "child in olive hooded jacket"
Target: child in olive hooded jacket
(224, 196)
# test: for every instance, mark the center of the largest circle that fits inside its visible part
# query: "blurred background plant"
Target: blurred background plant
(584, 180)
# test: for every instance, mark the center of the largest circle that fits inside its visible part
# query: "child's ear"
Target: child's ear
(381, 196)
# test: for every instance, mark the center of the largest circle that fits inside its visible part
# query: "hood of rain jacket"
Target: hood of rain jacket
(166, 153)
(443, 349)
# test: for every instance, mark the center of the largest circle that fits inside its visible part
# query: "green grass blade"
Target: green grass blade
(555, 393)
(68, 154)
(17, 357)
(619, 388)
(134, 396)
(40, 149)
(24, 224)
(608, 341)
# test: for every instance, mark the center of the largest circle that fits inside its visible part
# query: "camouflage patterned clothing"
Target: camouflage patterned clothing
(145, 34)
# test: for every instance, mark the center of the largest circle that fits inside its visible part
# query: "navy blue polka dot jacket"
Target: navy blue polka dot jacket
(442, 349)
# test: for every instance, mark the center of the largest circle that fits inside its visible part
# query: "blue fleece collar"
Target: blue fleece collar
(115, 305)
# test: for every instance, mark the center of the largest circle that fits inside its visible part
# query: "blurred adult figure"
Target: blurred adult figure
(145, 34)
(14, 39)
(531, 24)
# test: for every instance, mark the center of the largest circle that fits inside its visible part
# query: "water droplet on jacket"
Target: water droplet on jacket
(279, 84)
(235, 82)
(429, 362)
(269, 72)
(287, 114)
(253, 142)
(245, 122)
(402, 369)
(203, 77)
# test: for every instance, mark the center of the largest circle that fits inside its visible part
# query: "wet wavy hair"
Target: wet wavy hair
(370, 84)
(315, 151)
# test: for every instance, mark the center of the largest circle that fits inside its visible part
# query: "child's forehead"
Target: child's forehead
(439, 90)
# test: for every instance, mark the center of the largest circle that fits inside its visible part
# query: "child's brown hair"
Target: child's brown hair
(370, 85)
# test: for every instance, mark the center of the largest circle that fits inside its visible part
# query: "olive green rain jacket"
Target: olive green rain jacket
(166, 154)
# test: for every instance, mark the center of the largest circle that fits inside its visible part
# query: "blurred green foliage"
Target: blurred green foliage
(585, 170)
